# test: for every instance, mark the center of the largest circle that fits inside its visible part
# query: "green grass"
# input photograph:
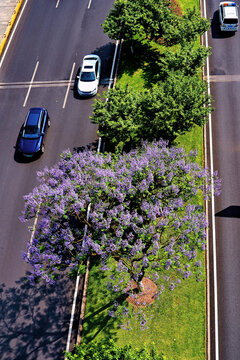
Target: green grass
(177, 324)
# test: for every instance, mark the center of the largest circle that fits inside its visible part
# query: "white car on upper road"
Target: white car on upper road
(88, 79)
(228, 16)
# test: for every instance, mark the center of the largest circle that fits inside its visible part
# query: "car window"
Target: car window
(87, 76)
(42, 120)
(96, 68)
(31, 132)
(230, 21)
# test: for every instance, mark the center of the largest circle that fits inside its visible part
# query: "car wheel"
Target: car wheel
(42, 149)
(49, 123)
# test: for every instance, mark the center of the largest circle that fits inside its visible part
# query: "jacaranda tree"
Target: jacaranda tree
(145, 215)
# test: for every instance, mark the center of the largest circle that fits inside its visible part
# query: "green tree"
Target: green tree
(185, 29)
(108, 350)
(142, 17)
(186, 58)
(167, 110)
(153, 19)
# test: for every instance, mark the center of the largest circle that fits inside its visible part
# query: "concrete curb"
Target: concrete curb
(10, 25)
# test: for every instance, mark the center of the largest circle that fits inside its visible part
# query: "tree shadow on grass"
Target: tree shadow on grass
(34, 320)
(100, 301)
(140, 55)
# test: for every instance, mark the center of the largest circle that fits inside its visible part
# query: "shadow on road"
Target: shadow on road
(231, 211)
(106, 54)
(34, 321)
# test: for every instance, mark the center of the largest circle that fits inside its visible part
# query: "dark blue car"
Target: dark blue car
(33, 132)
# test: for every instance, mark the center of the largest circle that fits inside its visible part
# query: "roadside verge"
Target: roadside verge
(10, 25)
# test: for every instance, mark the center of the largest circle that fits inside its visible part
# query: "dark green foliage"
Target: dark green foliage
(167, 110)
(144, 18)
(187, 59)
(109, 351)
(155, 20)
(185, 29)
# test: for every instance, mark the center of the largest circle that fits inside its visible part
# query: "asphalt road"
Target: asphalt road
(225, 88)
(48, 46)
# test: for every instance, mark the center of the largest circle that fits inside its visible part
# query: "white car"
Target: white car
(89, 76)
(228, 16)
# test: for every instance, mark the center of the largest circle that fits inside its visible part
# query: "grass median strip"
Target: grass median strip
(177, 322)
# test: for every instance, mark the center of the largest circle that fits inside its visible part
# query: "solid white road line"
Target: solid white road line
(69, 84)
(89, 4)
(13, 31)
(31, 82)
(36, 84)
(213, 209)
(113, 64)
(75, 295)
(33, 231)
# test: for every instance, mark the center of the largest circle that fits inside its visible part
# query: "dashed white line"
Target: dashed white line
(31, 82)
(69, 84)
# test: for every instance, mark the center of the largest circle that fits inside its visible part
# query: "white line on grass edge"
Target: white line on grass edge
(213, 206)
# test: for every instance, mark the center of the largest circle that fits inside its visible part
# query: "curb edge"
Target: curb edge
(10, 25)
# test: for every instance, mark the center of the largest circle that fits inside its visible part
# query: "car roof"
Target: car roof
(89, 62)
(33, 116)
(229, 10)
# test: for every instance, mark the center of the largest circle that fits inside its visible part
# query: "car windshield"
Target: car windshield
(230, 21)
(31, 132)
(87, 76)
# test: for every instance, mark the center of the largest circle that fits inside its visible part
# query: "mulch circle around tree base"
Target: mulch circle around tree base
(147, 297)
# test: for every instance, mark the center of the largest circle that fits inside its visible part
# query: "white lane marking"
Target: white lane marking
(75, 294)
(33, 231)
(57, 4)
(69, 84)
(36, 84)
(13, 31)
(223, 78)
(89, 4)
(113, 64)
(213, 208)
(31, 82)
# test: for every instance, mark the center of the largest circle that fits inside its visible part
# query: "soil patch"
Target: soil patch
(147, 297)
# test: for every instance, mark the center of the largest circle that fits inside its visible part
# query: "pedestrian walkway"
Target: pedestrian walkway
(9, 10)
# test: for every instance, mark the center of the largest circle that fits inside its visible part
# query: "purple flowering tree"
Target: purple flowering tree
(145, 215)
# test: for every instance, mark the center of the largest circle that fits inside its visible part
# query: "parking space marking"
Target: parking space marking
(57, 3)
(69, 84)
(31, 82)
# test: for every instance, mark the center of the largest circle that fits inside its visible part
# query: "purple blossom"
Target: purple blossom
(144, 214)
